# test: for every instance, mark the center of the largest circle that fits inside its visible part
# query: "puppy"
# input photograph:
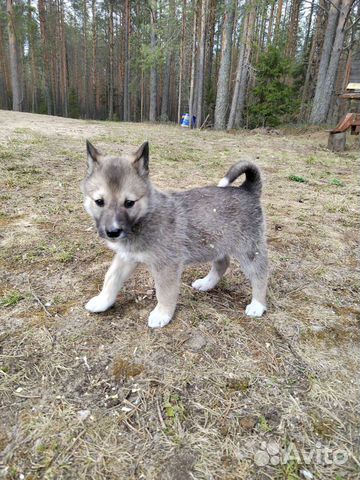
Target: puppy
(167, 231)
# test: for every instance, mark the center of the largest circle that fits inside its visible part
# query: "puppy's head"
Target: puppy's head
(116, 191)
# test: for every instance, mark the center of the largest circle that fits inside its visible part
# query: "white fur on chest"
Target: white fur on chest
(127, 254)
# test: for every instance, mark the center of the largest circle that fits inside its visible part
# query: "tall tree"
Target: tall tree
(5, 80)
(193, 62)
(293, 29)
(94, 100)
(153, 70)
(242, 72)
(45, 55)
(222, 97)
(126, 61)
(201, 65)
(111, 59)
(332, 47)
(181, 60)
(14, 60)
(64, 75)
(313, 59)
(32, 48)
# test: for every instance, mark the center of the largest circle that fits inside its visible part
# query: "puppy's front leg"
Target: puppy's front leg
(167, 284)
(119, 271)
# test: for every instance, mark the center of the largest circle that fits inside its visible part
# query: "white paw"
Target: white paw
(159, 318)
(98, 304)
(255, 309)
(204, 284)
(224, 182)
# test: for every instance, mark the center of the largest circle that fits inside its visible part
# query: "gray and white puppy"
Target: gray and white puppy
(167, 231)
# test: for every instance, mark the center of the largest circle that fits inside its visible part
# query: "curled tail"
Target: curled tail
(253, 178)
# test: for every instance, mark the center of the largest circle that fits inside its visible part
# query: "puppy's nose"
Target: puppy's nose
(113, 233)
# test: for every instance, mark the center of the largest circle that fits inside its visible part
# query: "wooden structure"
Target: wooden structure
(337, 136)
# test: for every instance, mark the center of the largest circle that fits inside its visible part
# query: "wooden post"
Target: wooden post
(337, 141)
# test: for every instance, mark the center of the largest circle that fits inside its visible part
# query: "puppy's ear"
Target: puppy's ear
(93, 156)
(141, 160)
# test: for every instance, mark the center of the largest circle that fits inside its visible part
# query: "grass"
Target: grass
(336, 182)
(197, 399)
(11, 299)
(297, 178)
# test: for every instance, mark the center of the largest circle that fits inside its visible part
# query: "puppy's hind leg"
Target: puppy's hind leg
(256, 270)
(217, 271)
(167, 284)
(119, 271)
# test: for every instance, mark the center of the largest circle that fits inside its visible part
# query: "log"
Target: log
(337, 142)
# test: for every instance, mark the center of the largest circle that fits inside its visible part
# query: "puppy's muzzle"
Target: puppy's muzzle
(115, 233)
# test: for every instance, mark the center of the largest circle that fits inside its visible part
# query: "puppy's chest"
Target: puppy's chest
(129, 254)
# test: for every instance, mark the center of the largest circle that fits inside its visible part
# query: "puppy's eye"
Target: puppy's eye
(100, 202)
(129, 203)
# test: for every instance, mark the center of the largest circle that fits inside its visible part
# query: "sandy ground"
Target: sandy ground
(215, 395)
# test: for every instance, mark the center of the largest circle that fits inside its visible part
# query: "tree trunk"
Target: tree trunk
(193, 60)
(85, 90)
(33, 68)
(242, 73)
(63, 61)
(222, 97)
(271, 21)
(167, 68)
(94, 60)
(111, 60)
(309, 25)
(278, 21)
(293, 29)
(127, 61)
(317, 113)
(327, 77)
(313, 60)
(6, 91)
(200, 92)
(14, 62)
(45, 55)
(165, 91)
(181, 61)
(153, 70)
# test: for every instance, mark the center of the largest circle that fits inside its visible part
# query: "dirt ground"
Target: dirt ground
(214, 395)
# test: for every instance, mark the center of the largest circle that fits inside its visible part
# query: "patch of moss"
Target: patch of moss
(238, 384)
(123, 369)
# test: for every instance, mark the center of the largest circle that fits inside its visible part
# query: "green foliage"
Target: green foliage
(272, 97)
(11, 299)
(174, 407)
(74, 107)
(263, 424)
(296, 178)
(336, 182)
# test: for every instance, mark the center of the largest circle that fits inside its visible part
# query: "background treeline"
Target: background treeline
(230, 63)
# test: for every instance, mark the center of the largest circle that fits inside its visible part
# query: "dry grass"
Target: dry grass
(102, 396)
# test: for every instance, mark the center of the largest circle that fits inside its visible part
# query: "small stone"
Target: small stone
(317, 328)
(196, 342)
(248, 422)
(126, 409)
(83, 414)
(306, 474)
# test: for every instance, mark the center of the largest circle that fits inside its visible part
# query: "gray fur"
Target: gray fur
(167, 231)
